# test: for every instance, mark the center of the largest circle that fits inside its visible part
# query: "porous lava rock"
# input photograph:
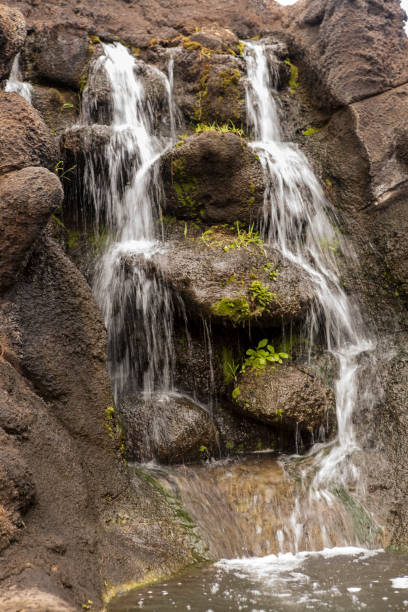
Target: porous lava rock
(170, 428)
(213, 269)
(24, 138)
(27, 199)
(214, 177)
(288, 397)
(349, 50)
(58, 55)
(12, 36)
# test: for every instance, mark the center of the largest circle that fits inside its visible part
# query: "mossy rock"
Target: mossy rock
(213, 177)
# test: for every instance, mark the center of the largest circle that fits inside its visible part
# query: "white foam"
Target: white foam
(400, 583)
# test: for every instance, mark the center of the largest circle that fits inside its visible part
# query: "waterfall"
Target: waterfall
(15, 83)
(296, 221)
(136, 304)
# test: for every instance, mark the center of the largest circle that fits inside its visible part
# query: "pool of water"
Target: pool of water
(339, 579)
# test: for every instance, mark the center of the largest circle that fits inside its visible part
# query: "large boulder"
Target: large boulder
(27, 199)
(170, 428)
(214, 177)
(349, 50)
(58, 55)
(231, 276)
(24, 138)
(288, 397)
(12, 36)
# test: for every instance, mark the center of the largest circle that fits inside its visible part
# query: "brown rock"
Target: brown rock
(59, 55)
(216, 38)
(170, 428)
(349, 50)
(24, 138)
(12, 36)
(27, 199)
(58, 108)
(215, 177)
(288, 397)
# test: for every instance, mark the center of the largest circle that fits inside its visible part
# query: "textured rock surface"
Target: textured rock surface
(349, 50)
(168, 428)
(27, 199)
(12, 36)
(24, 139)
(213, 177)
(211, 268)
(288, 397)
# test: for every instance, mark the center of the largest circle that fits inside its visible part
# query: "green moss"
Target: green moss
(235, 309)
(185, 187)
(310, 131)
(261, 295)
(294, 77)
(363, 524)
(221, 129)
(82, 82)
(73, 238)
(202, 92)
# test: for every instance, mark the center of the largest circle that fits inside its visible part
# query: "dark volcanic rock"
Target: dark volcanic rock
(12, 36)
(349, 50)
(169, 428)
(288, 397)
(27, 199)
(58, 108)
(24, 138)
(59, 55)
(214, 269)
(214, 177)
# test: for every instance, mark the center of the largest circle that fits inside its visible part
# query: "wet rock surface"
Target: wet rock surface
(288, 397)
(168, 428)
(214, 177)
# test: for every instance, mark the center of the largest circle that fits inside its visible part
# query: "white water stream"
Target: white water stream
(15, 82)
(296, 221)
(127, 202)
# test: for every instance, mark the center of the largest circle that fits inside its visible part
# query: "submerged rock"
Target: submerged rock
(170, 428)
(12, 36)
(288, 397)
(214, 177)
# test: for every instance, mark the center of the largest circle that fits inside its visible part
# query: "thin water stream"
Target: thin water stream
(15, 82)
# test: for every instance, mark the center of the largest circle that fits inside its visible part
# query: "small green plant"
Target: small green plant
(61, 172)
(230, 366)
(310, 131)
(245, 238)
(272, 272)
(236, 393)
(223, 128)
(261, 295)
(67, 106)
(236, 309)
(261, 356)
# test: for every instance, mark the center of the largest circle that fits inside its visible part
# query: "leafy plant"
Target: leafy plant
(61, 172)
(261, 295)
(245, 238)
(230, 366)
(263, 354)
(236, 309)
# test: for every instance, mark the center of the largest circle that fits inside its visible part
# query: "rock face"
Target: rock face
(349, 50)
(214, 177)
(169, 428)
(12, 36)
(24, 139)
(288, 397)
(27, 199)
(59, 55)
(231, 276)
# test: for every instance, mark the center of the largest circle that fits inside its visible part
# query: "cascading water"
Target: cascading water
(136, 304)
(15, 82)
(296, 221)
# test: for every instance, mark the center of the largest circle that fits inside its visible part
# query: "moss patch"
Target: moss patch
(294, 77)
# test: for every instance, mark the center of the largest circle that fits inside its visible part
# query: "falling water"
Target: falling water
(15, 82)
(136, 304)
(296, 221)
